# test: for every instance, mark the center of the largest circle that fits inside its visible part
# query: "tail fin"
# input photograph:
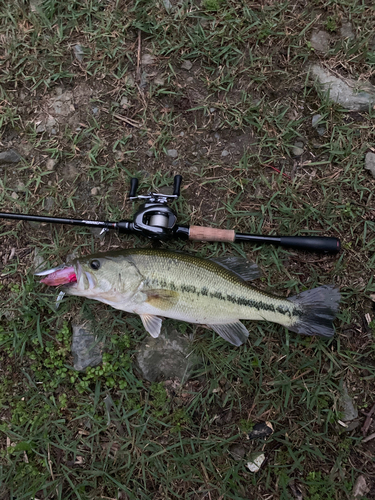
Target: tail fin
(317, 308)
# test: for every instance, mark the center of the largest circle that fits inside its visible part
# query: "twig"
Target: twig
(138, 74)
(368, 421)
(371, 436)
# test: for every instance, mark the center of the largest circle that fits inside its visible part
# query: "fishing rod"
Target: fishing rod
(155, 219)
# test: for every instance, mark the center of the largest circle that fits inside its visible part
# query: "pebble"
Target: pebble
(349, 410)
(370, 163)
(187, 65)
(95, 110)
(316, 122)
(20, 187)
(50, 164)
(78, 52)
(346, 31)
(360, 488)
(168, 356)
(147, 59)
(95, 191)
(351, 94)
(298, 148)
(158, 80)
(129, 81)
(85, 349)
(182, 134)
(124, 103)
(14, 195)
(225, 153)
(49, 203)
(167, 4)
(149, 153)
(320, 41)
(173, 153)
(10, 156)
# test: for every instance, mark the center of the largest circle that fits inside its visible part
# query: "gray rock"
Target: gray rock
(149, 153)
(85, 348)
(95, 110)
(129, 81)
(78, 52)
(10, 156)
(36, 5)
(62, 105)
(147, 59)
(14, 195)
(320, 41)
(39, 261)
(167, 4)
(360, 488)
(186, 65)
(95, 191)
(370, 163)
(317, 124)
(49, 203)
(349, 410)
(173, 153)
(70, 172)
(124, 103)
(351, 94)
(159, 80)
(346, 31)
(169, 356)
(225, 153)
(47, 125)
(298, 148)
(50, 164)
(21, 188)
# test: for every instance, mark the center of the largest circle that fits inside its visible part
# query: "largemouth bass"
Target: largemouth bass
(162, 283)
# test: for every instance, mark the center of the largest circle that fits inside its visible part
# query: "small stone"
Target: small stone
(10, 156)
(182, 134)
(349, 93)
(70, 172)
(173, 153)
(350, 412)
(95, 110)
(158, 80)
(49, 203)
(50, 164)
(316, 122)
(20, 187)
(256, 461)
(370, 163)
(53, 131)
(149, 153)
(129, 81)
(225, 153)
(78, 52)
(14, 195)
(346, 31)
(320, 41)
(217, 136)
(212, 110)
(190, 79)
(36, 6)
(94, 191)
(298, 148)
(360, 488)
(147, 59)
(169, 356)
(39, 260)
(124, 103)
(187, 65)
(167, 4)
(85, 349)
(237, 451)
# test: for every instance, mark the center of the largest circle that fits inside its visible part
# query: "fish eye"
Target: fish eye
(95, 264)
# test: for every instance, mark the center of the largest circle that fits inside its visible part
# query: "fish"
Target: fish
(159, 283)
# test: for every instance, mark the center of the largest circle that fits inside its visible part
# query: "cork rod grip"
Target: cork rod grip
(210, 234)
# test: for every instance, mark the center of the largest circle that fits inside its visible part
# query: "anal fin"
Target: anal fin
(152, 324)
(235, 333)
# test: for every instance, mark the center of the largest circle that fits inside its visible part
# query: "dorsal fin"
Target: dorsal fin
(239, 266)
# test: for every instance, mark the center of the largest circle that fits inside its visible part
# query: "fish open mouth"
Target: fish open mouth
(62, 275)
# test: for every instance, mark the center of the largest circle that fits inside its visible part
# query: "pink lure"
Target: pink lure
(60, 277)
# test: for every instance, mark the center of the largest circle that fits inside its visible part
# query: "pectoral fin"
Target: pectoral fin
(162, 299)
(152, 324)
(236, 333)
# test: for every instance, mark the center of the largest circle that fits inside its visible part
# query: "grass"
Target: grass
(106, 433)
